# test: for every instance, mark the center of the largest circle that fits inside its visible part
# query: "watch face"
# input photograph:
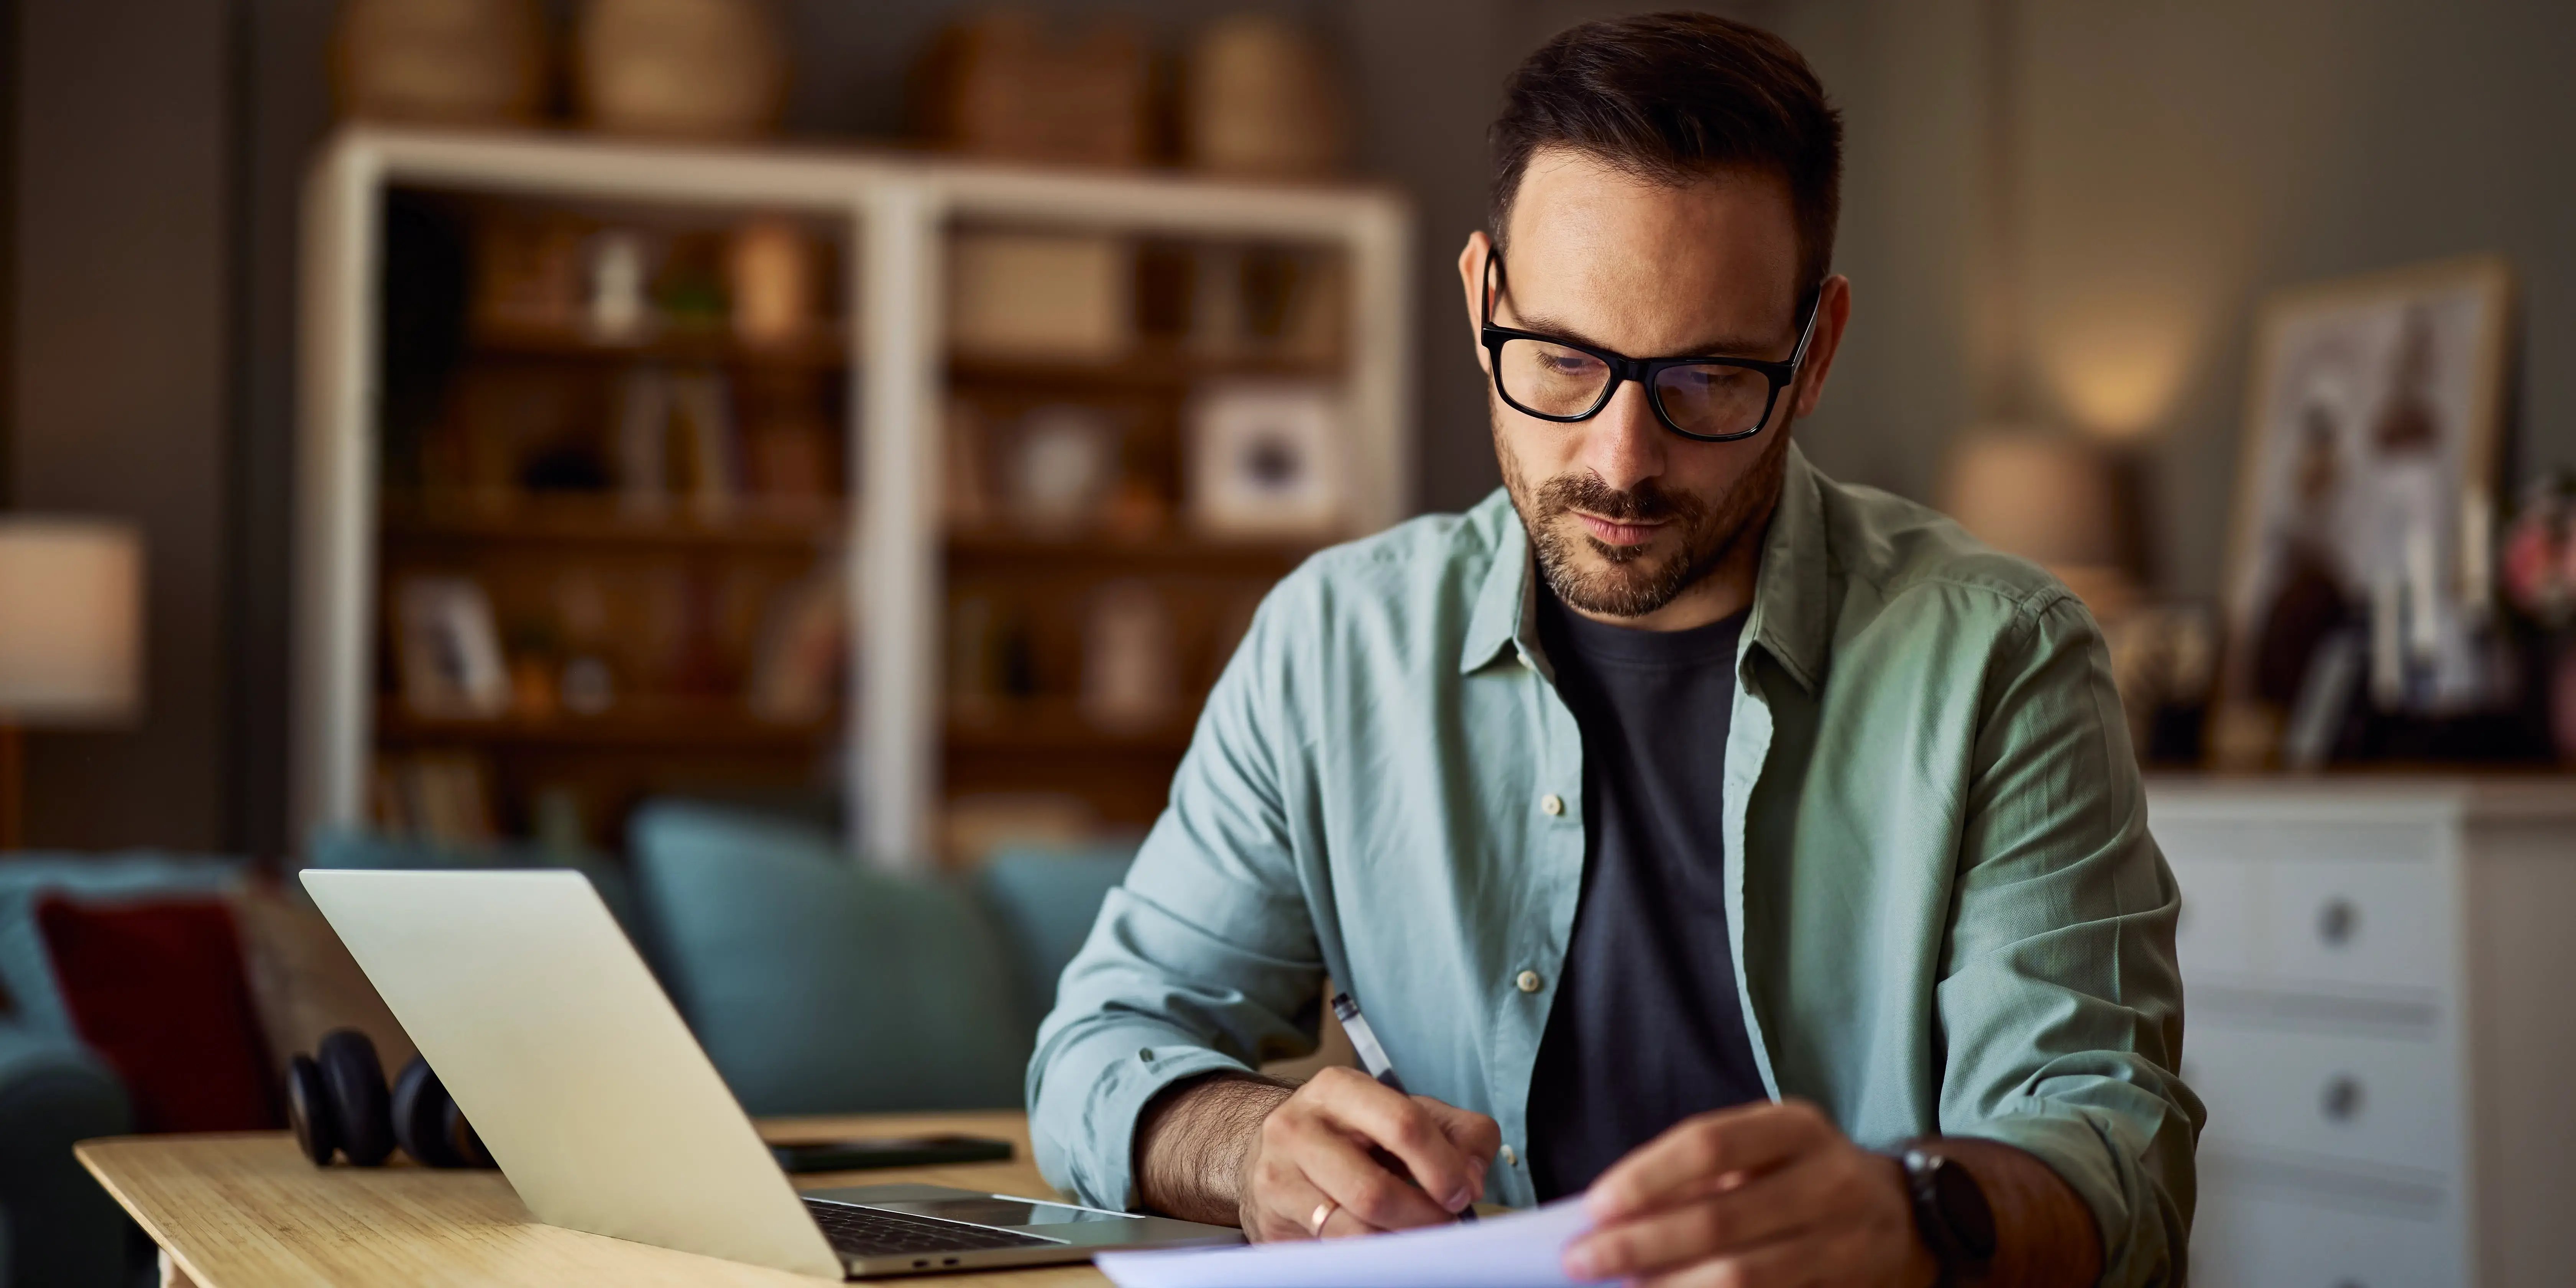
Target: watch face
(1963, 1208)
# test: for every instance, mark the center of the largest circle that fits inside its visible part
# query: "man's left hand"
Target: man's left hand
(1753, 1196)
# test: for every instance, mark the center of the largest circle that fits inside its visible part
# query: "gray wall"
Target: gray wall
(119, 397)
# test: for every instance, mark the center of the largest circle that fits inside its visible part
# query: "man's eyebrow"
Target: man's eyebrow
(1716, 347)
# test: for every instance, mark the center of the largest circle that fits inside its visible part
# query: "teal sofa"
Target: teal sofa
(61, 1228)
(818, 985)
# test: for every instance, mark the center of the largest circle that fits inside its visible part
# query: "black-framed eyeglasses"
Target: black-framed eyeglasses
(1704, 399)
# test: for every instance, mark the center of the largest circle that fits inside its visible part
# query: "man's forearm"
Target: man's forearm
(1192, 1139)
(2045, 1236)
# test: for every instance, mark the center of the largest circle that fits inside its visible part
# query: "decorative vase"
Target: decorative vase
(700, 69)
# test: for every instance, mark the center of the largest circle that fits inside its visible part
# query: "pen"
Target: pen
(1373, 1057)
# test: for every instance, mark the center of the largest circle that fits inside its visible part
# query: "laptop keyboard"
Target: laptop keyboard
(868, 1232)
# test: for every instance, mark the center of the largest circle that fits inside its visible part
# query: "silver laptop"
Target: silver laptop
(605, 1113)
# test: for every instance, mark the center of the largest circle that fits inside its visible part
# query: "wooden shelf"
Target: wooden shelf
(1059, 725)
(1167, 552)
(826, 347)
(1150, 369)
(654, 724)
(587, 520)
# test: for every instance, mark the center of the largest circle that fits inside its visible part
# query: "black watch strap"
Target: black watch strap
(1951, 1214)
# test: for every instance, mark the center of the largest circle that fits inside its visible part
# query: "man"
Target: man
(1688, 825)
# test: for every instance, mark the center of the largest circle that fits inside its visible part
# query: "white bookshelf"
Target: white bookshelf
(899, 212)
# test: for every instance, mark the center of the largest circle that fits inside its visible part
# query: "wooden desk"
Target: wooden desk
(242, 1210)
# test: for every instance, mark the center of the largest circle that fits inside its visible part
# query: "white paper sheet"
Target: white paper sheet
(1518, 1250)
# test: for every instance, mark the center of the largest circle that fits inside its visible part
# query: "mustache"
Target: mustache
(1644, 503)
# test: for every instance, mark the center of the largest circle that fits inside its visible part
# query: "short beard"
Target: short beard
(1635, 584)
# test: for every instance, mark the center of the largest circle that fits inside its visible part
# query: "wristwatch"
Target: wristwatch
(1951, 1213)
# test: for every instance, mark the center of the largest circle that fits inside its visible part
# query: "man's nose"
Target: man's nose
(1625, 445)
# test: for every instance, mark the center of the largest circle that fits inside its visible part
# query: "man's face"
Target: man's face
(1625, 515)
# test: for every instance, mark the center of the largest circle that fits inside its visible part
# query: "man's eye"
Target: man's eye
(1566, 364)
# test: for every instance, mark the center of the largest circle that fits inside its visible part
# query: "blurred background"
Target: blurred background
(662, 436)
(2059, 217)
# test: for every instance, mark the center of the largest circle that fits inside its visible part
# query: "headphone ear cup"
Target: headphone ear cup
(420, 1116)
(469, 1146)
(356, 1081)
(308, 1110)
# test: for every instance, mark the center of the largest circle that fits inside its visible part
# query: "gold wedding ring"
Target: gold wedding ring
(1323, 1213)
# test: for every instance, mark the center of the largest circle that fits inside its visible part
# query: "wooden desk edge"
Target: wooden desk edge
(115, 1160)
(87, 1152)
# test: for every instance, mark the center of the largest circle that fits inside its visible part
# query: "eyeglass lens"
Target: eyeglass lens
(1553, 380)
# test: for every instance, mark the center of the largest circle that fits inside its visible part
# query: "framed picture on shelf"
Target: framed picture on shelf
(1267, 460)
(2365, 494)
(447, 651)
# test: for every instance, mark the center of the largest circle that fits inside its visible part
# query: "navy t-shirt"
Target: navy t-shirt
(1646, 1028)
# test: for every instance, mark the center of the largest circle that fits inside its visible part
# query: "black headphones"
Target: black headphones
(337, 1100)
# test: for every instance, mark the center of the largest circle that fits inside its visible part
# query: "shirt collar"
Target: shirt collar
(1790, 588)
(1502, 616)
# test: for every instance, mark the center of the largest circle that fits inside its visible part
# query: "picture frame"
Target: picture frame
(2364, 493)
(448, 651)
(1268, 461)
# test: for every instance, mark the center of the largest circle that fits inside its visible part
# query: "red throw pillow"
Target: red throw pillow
(157, 990)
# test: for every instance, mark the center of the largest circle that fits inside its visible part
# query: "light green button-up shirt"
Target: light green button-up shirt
(1948, 916)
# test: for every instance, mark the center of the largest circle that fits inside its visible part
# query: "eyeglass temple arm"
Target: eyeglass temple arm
(1808, 332)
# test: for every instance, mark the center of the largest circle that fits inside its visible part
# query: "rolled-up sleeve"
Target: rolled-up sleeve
(1206, 957)
(2060, 1001)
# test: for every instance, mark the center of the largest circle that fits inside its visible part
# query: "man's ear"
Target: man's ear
(1833, 312)
(1471, 281)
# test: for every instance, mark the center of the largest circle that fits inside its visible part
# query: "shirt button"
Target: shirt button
(1551, 804)
(1527, 981)
(1509, 1158)
(1146, 1055)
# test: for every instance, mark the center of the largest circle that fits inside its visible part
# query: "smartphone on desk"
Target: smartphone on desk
(887, 1151)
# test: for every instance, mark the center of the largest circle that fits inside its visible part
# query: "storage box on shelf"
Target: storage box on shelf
(2375, 971)
(738, 468)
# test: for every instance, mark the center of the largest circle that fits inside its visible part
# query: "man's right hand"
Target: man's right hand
(1310, 1161)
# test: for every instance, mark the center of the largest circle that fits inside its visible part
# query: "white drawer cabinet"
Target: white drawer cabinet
(2329, 1097)
(2380, 992)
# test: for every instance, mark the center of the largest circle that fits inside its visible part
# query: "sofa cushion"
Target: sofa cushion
(34, 995)
(156, 989)
(818, 985)
(1044, 901)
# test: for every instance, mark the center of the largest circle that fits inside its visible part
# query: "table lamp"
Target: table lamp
(71, 636)
(2058, 500)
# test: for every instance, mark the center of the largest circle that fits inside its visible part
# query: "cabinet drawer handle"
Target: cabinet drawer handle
(2342, 1099)
(2335, 921)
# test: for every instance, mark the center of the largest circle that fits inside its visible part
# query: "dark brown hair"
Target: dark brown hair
(1670, 98)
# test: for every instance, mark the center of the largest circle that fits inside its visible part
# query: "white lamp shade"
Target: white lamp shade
(71, 622)
(2052, 499)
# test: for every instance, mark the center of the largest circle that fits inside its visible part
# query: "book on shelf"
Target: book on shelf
(704, 410)
(439, 795)
(796, 667)
(1130, 675)
(675, 438)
